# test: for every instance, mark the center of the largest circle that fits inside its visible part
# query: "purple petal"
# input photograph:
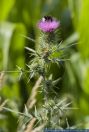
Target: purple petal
(48, 26)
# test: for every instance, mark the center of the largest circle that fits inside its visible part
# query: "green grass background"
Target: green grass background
(18, 18)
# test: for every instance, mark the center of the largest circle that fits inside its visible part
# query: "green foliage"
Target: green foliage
(18, 18)
(84, 31)
(5, 8)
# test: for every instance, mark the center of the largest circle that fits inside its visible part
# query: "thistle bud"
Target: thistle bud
(48, 24)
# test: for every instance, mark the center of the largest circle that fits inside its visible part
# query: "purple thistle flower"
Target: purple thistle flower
(48, 24)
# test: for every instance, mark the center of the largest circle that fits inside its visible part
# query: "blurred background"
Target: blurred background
(18, 18)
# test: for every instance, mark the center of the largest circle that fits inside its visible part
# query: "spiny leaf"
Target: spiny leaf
(31, 50)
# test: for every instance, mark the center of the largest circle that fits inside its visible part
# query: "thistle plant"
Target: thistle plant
(52, 109)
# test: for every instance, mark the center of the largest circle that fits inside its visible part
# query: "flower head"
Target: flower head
(48, 24)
